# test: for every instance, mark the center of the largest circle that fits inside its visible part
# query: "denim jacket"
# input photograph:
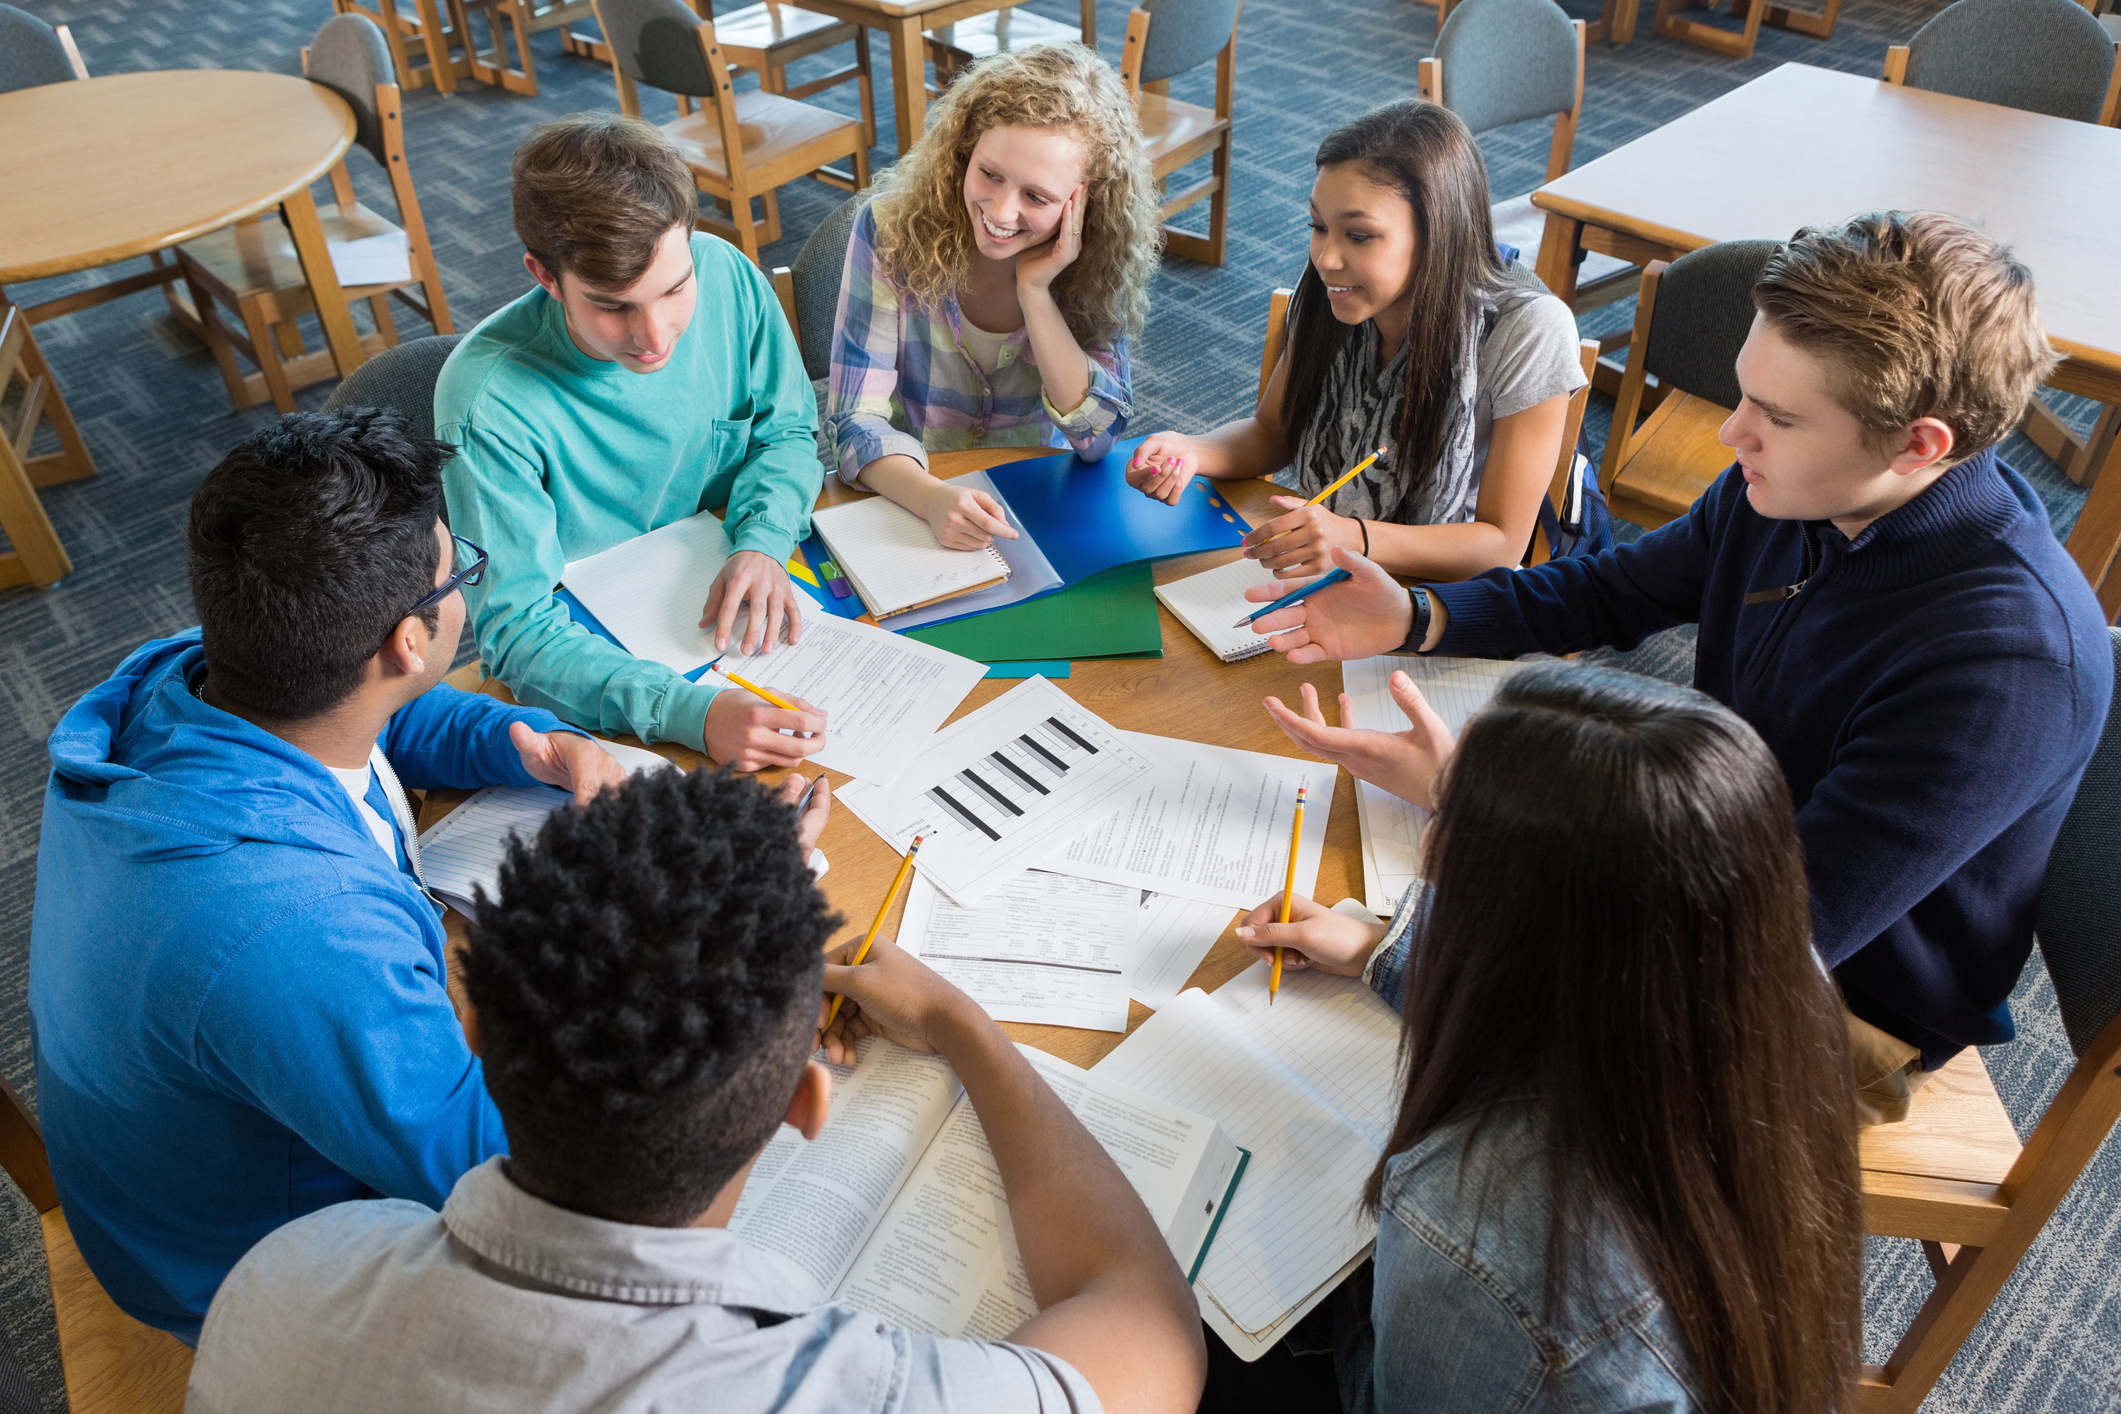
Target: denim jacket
(1458, 1319)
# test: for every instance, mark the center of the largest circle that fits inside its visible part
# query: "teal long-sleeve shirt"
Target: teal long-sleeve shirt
(561, 456)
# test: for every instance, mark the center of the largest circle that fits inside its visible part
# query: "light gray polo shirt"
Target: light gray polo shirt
(505, 1302)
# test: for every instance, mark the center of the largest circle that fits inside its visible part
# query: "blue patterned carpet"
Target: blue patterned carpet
(156, 418)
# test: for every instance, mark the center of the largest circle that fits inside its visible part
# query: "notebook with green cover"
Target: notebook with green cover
(1111, 614)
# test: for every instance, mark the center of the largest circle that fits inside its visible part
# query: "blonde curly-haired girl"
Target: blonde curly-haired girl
(993, 283)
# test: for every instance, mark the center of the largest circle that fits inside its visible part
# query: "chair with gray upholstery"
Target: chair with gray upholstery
(810, 289)
(2044, 56)
(33, 53)
(1166, 38)
(1691, 319)
(1500, 62)
(402, 378)
(251, 270)
(1975, 1233)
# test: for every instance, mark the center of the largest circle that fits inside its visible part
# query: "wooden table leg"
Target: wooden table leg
(2097, 537)
(308, 232)
(909, 79)
(1557, 256)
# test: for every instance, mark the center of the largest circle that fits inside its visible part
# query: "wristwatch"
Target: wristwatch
(1420, 633)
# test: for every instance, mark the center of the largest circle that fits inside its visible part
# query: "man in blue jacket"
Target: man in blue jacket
(236, 978)
(1879, 596)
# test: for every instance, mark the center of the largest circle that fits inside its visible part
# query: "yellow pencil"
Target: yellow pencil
(1288, 885)
(1345, 477)
(905, 868)
(774, 697)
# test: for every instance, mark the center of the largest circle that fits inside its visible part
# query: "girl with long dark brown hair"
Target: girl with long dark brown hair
(1407, 331)
(1623, 1174)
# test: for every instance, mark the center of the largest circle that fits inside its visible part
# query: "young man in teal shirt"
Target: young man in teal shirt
(650, 375)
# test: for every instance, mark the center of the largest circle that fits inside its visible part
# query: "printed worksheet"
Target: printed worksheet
(1175, 935)
(650, 590)
(885, 695)
(1212, 825)
(1001, 789)
(1044, 948)
(1391, 827)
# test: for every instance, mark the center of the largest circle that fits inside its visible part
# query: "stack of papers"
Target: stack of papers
(1391, 827)
(892, 558)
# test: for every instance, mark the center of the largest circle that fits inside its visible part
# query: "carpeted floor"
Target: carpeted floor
(156, 418)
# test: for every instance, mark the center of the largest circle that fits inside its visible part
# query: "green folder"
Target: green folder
(1112, 614)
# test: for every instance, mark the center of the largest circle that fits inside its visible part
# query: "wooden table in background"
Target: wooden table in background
(1188, 693)
(1805, 146)
(104, 169)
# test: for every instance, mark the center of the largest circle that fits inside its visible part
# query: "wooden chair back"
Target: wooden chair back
(37, 557)
(1565, 464)
(113, 1364)
(1976, 1232)
(1178, 133)
(1277, 335)
(2042, 56)
(429, 25)
(1516, 57)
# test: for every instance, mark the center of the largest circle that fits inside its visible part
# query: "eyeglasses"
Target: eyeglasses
(470, 568)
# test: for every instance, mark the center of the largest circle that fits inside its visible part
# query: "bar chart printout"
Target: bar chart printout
(1000, 789)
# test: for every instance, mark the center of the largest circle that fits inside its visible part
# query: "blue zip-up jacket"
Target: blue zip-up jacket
(1933, 693)
(236, 998)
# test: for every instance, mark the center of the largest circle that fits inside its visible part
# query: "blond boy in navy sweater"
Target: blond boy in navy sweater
(1879, 596)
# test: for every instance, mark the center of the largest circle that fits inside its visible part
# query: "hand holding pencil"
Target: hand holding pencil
(1298, 542)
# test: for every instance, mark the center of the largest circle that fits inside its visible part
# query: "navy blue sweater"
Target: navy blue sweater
(1932, 693)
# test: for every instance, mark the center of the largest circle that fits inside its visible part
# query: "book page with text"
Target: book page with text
(815, 1203)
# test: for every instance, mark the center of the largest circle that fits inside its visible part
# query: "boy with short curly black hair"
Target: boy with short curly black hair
(1879, 596)
(645, 993)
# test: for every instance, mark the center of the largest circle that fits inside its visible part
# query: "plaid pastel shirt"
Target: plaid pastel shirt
(902, 381)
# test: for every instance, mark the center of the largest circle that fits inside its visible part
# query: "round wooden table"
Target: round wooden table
(103, 169)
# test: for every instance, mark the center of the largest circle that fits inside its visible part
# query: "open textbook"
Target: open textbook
(1391, 827)
(1209, 602)
(892, 558)
(1309, 1087)
(897, 1206)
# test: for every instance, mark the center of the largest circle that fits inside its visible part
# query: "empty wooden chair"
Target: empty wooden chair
(739, 145)
(2044, 56)
(37, 557)
(1166, 38)
(113, 1363)
(1953, 1176)
(1565, 491)
(252, 270)
(765, 39)
(423, 22)
(960, 43)
(1737, 43)
(1691, 319)
(505, 20)
(1500, 62)
(402, 378)
(33, 53)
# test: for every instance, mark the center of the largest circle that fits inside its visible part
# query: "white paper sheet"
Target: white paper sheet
(1175, 935)
(1001, 789)
(649, 591)
(1309, 1085)
(463, 851)
(885, 694)
(1212, 824)
(1391, 827)
(381, 259)
(1043, 948)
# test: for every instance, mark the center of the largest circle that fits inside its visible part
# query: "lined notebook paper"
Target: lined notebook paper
(1391, 827)
(1309, 1085)
(1209, 602)
(891, 557)
(649, 591)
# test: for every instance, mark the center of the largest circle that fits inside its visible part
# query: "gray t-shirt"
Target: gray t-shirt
(1528, 356)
